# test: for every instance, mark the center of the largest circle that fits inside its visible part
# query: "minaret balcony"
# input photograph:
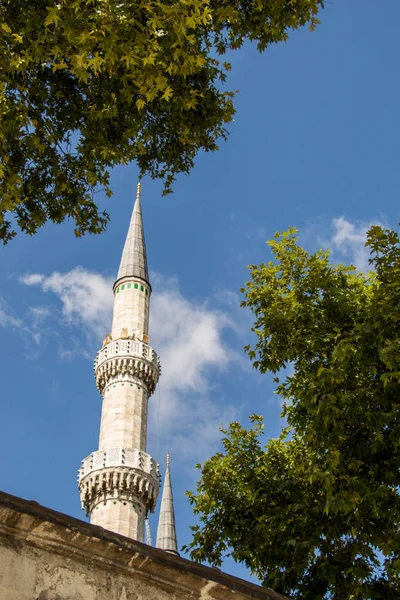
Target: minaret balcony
(116, 457)
(126, 357)
(118, 472)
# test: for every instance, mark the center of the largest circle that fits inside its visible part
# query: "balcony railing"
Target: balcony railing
(127, 348)
(119, 457)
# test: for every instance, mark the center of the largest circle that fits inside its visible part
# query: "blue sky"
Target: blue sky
(315, 144)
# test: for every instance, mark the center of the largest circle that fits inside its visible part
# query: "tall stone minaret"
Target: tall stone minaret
(119, 482)
(166, 532)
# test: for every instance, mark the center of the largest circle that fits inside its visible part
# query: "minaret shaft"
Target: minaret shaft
(125, 400)
(124, 416)
(119, 482)
(121, 518)
(131, 309)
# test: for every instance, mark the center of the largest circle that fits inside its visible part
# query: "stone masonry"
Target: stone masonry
(45, 555)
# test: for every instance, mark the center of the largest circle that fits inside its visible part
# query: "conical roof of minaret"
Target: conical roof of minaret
(166, 532)
(134, 259)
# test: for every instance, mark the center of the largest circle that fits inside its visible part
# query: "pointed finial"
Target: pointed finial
(134, 260)
(166, 531)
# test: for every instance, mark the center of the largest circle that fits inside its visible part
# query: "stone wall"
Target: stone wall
(45, 555)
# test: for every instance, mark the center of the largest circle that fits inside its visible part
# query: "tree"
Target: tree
(89, 84)
(316, 513)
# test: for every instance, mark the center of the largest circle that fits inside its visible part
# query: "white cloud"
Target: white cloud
(30, 326)
(344, 237)
(35, 320)
(349, 239)
(188, 336)
(32, 279)
(86, 297)
(6, 319)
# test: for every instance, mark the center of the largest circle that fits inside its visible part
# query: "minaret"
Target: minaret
(166, 532)
(119, 482)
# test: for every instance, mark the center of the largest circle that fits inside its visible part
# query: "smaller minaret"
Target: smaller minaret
(147, 532)
(166, 532)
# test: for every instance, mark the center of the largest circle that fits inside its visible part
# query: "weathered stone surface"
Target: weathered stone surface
(45, 555)
(124, 416)
(49, 595)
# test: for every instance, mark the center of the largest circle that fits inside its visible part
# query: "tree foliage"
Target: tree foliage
(316, 513)
(89, 84)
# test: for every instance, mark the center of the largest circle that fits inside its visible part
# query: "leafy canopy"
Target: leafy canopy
(316, 513)
(89, 84)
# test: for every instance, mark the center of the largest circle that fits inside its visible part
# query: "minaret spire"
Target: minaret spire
(134, 259)
(119, 482)
(166, 532)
